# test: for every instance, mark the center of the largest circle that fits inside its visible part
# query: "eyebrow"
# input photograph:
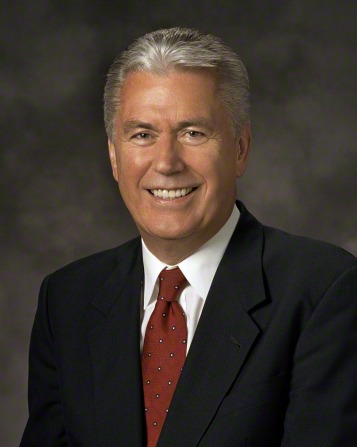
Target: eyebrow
(195, 122)
(191, 122)
(136, 124)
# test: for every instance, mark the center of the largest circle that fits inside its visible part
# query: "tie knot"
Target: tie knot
(171, 283)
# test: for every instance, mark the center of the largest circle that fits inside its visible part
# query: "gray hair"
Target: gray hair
(180, 48)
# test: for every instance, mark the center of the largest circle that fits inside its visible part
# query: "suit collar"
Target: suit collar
(128, 268)
(243, 259)
(225, 335)
(114, 342)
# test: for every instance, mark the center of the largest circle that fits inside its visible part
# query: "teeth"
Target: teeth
(171, 193)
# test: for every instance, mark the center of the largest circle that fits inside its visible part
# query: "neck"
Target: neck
(172, 252)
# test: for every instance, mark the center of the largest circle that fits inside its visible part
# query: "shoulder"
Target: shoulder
(304, 262)
(94, 269)
(303, 250)
(291, 254)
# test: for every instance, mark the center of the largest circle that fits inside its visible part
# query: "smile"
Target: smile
(170, 194)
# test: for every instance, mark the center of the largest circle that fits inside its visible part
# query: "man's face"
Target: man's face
(175, 155)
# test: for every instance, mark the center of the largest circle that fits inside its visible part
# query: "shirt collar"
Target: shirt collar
(199, 268)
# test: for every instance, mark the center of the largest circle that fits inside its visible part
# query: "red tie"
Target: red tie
(164, 352)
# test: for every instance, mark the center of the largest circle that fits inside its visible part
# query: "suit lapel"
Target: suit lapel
(224, 337)
(114, 345)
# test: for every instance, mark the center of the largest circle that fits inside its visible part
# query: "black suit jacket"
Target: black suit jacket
(273, 361)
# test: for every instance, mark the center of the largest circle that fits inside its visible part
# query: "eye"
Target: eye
(142, 139)
(193, 137)
(142, 136)
(195, 134)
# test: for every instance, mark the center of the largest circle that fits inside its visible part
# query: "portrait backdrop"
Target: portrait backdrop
(58, 199)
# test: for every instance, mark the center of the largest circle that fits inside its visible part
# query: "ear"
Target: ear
(243, 146)
(113, 159)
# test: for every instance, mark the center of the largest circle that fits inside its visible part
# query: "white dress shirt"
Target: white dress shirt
(199, 270)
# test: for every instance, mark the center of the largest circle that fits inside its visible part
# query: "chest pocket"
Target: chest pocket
(275, 387)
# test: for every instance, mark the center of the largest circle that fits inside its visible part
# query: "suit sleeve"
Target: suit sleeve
(45, 426)
(322, 409)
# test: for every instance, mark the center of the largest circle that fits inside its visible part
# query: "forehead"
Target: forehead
(175, 91)
(142, 78)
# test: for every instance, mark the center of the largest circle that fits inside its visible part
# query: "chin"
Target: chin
(167, 233)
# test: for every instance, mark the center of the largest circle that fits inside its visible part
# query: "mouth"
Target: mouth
(171, 194)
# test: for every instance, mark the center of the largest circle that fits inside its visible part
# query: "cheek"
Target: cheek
(132, 166)
(218, 171)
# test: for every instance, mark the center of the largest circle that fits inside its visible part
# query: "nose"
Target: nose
(168, 157)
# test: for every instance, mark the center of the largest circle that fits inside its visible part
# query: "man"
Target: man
(261, 342)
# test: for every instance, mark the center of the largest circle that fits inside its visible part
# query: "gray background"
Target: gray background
(58, 201)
